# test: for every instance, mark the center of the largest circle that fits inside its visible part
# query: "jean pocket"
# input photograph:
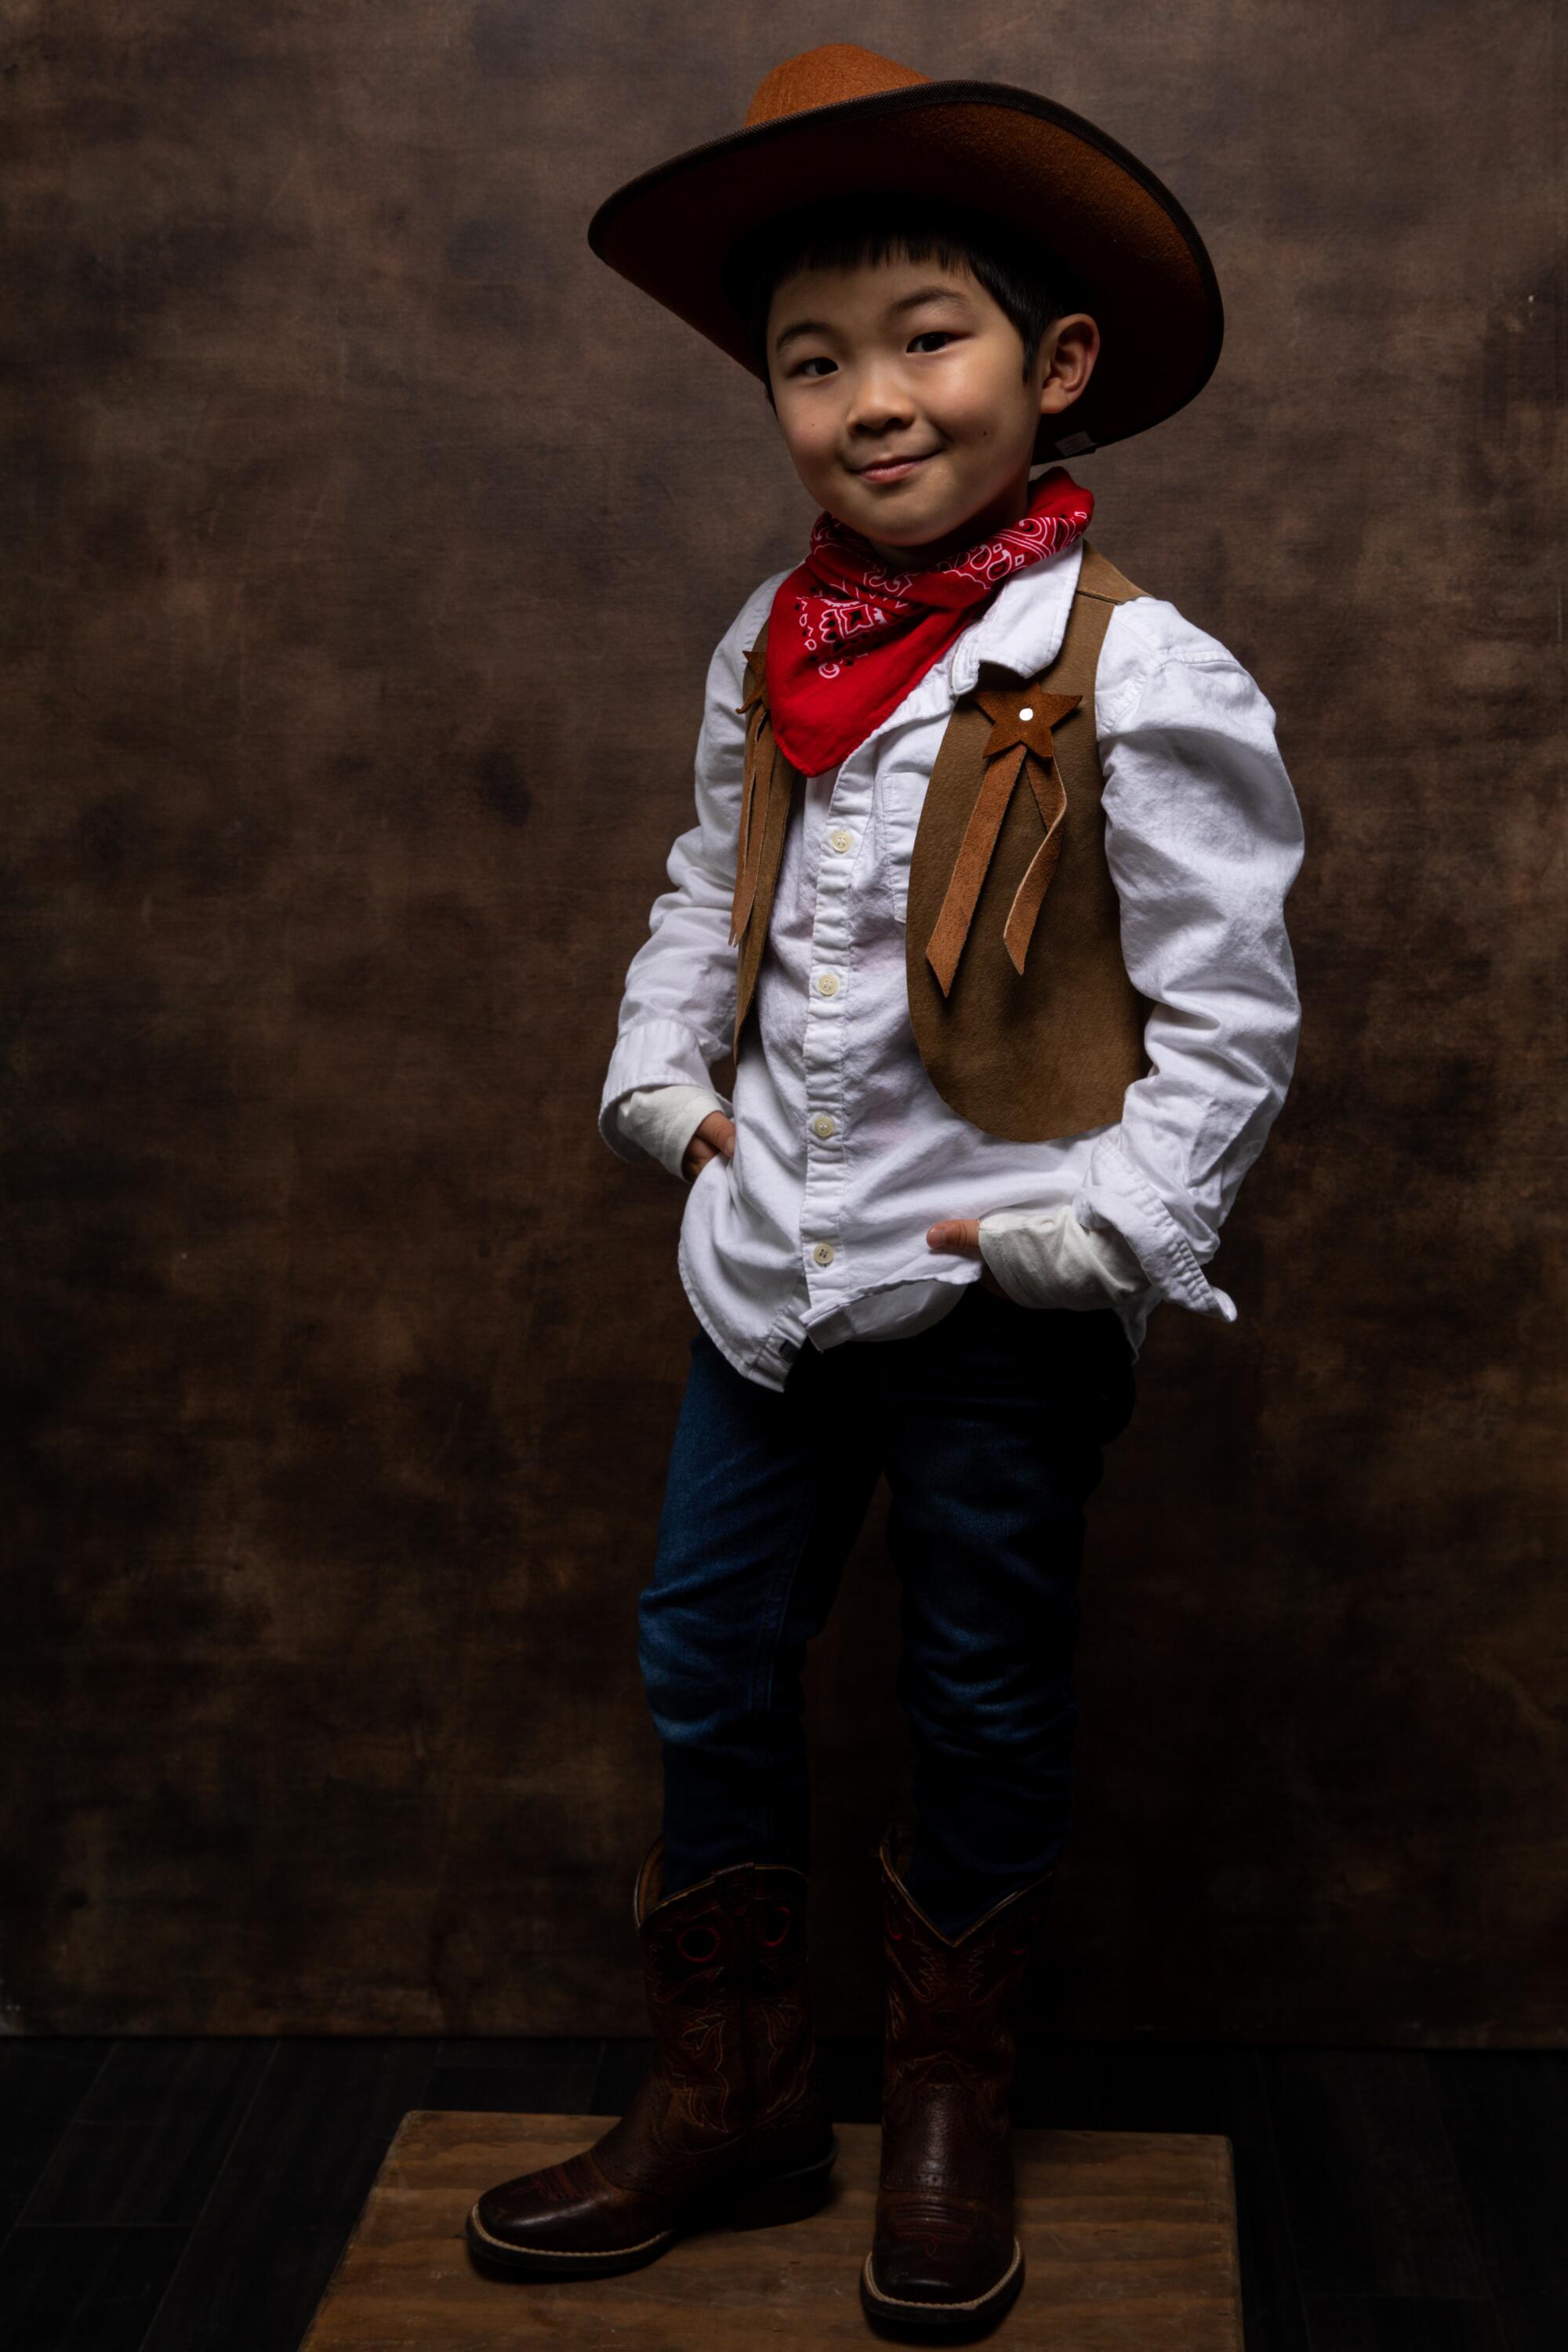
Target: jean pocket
(1078, 1357)
(1110, 1389)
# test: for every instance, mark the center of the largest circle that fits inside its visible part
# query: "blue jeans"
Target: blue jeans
(989, 1426)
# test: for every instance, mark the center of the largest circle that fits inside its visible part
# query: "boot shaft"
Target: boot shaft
(727, 1977)
(948, 2058)
(955, 1998)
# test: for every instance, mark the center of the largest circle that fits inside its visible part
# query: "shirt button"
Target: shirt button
(828, 984)
(841, 839)
(822, 1253)
(822, 1124)
(1027, 711)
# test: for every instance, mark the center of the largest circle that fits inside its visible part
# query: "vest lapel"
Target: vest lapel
(1027, 1032)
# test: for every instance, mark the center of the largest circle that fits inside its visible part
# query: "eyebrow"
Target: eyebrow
(905, 302)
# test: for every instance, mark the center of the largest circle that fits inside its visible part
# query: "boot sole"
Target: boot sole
(913, 2316)
(754, 2205)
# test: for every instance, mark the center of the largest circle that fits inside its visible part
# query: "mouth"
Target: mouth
(890, 469)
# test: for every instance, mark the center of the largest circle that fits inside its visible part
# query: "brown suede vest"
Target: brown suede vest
(1023, 1012)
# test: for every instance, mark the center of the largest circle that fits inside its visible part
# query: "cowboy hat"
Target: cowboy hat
(840, 120)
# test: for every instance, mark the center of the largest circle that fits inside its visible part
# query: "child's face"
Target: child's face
(908, 359)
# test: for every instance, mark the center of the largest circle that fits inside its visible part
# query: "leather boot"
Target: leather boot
(730, 2123)
(944, 2260)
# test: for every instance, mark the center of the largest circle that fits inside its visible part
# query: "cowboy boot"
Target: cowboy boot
(944, 2260)
(730, 2121)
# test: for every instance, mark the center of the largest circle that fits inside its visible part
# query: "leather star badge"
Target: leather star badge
(1021, 715)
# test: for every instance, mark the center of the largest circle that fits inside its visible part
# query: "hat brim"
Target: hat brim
(1145, 276)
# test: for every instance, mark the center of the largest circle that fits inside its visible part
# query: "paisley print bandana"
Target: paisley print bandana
(848, 638)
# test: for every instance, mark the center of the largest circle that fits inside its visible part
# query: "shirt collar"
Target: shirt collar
(1023, 626)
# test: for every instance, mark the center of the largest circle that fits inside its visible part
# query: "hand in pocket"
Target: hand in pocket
(715, 1138)
(960, 1236)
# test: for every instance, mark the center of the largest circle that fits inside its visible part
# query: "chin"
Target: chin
(900, 528)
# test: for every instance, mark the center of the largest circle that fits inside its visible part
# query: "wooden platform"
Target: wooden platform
(1129, 2238)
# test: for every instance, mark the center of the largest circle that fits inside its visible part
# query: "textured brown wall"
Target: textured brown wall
(342, 755)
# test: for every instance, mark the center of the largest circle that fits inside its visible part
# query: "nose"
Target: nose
(879, 402)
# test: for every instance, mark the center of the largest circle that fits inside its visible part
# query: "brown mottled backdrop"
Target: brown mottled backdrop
(343, 748)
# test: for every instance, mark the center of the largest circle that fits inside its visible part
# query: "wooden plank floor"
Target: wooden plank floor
(168, 2195)
(1129, 2238)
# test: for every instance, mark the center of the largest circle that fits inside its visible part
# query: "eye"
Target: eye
(944, 334)
(819, 356)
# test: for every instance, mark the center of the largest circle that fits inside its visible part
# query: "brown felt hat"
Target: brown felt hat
(840, 120)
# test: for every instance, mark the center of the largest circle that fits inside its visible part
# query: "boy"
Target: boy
(986, 890)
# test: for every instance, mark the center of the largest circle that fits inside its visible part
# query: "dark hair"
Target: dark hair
(1022, 276)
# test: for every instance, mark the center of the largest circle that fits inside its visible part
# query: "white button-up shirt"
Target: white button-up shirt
(845, 1152)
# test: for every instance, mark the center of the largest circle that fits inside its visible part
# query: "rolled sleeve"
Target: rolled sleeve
(651, 1054)
(1203, 838)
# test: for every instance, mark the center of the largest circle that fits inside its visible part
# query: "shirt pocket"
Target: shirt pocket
(896, 818)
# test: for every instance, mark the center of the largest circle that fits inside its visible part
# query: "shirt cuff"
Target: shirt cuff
(651, 1054)
(664, 1119)
(1118, 1194)
(1045, 1258)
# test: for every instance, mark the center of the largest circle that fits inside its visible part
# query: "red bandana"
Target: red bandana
(821, 703)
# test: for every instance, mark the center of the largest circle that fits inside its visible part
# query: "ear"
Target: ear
(1076, 351)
